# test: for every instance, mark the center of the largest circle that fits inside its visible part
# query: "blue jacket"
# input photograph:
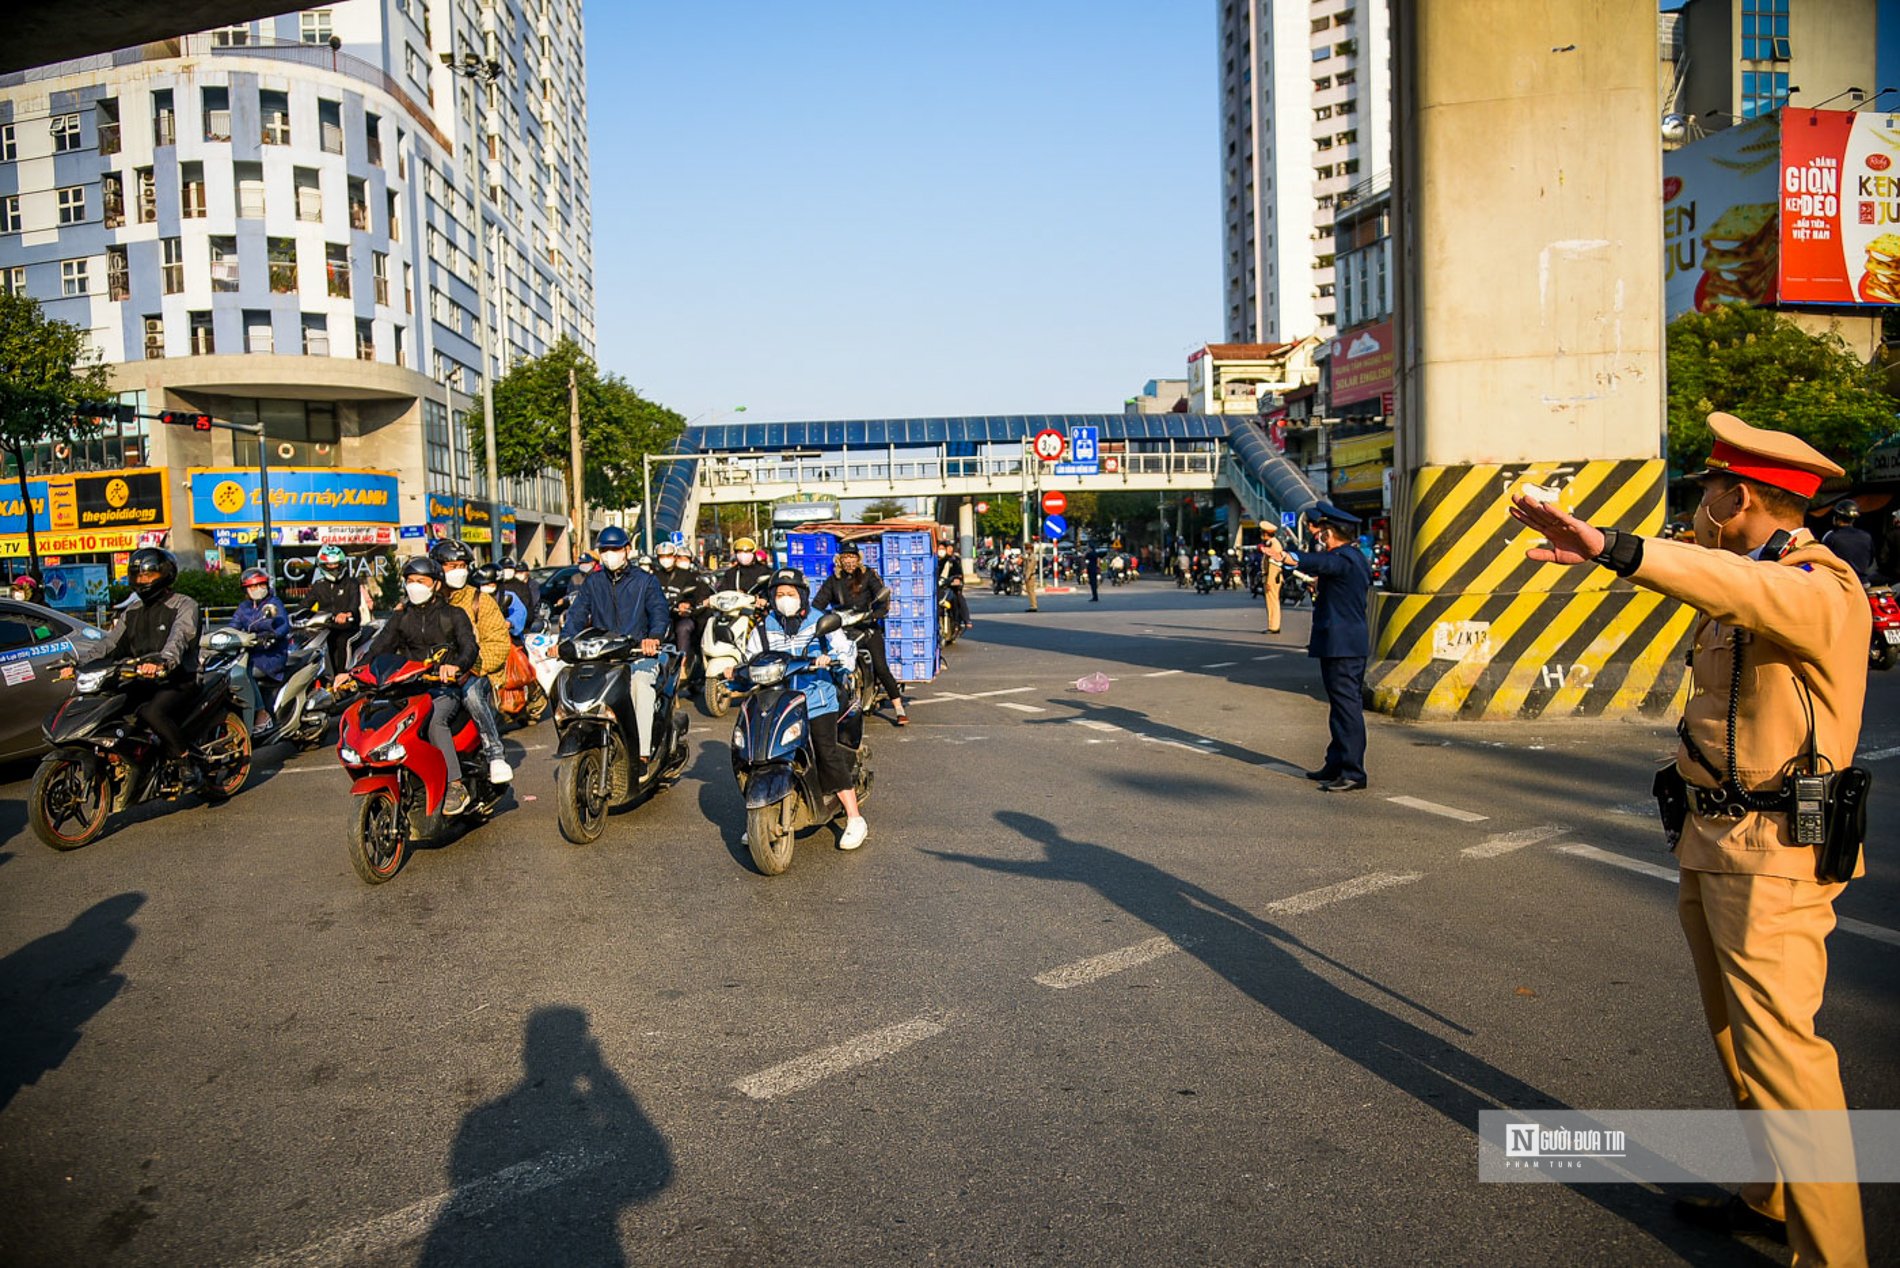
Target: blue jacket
(819, 685)
(630, 603)
(512, 609)
(268, 620)
(1339, 609)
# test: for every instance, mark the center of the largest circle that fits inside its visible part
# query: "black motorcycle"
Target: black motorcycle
(772, 752)
(1205, 579)
(1005, 579)
(597, 768)
(105, 759)
(858, 627)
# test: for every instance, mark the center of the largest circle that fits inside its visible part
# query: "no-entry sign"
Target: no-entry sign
(982, 508)
(1051, 445)
(1054, 503)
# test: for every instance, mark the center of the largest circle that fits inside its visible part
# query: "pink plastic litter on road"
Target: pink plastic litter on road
(1094, 684)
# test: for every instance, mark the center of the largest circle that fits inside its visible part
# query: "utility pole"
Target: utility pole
(486, 71)
(577, 534)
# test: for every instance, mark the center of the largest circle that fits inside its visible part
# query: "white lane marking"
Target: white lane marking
(1506, 842)
(1082, 972)
(814, 1067)
(304, 770)
(1095, 724)
(1155, 739)
(1161, 673)
(1006, 691)
(1222, 664)
(1312, 899)
(386, 1233)
(1879, 755)
(948, 695)
(1846, 924)
(1433, 808)
(1269, 656)
(1020, 708)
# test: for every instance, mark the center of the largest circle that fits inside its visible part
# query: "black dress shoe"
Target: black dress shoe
(1343, 785)
(1322, 775)
(1730, 1215)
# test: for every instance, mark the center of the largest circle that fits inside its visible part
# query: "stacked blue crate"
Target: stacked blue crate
(908, 565)
(813, 554)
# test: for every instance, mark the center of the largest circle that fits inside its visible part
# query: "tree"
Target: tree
(46, 368)
(619, 427)
(1767, 371)
(1004, 519)
(882, 509)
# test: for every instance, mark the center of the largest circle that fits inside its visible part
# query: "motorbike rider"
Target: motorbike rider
(26, 588)
(157, 628)
(1854, 544)
(514, 579)
(618, 598)
(487, 579)
(686, 590)
(263, 614)
(749, 568)
(791, 626)
(491, 632)
(855, 588)
(950, 582)
(425, 626)
(341, 597)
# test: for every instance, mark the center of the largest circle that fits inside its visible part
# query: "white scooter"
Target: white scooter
(303, 708)
(734, 616)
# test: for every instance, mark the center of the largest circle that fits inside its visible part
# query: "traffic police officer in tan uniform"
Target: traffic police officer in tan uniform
(1757, 907)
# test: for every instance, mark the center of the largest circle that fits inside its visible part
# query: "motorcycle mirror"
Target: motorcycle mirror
(829, 623)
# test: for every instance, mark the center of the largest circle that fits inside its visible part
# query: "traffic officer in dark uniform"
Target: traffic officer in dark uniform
(1854, 544)
(1780, 678)
(1341, 639)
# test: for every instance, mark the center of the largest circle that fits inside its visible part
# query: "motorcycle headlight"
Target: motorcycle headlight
(791, 734)
(590, 646)
(391, 752)
(767, 674)
(90, 680)
(223, 640)
(348, 755)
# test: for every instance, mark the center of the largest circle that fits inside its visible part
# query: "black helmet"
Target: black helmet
(152, 559)
(508, 561)
(1846, 509)
(450, 551)
(850, 548)
(613, 537)
(484, 575)
(253, 577)
(421, 566)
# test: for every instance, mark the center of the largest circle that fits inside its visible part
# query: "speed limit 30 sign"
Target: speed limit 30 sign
(1051, 445)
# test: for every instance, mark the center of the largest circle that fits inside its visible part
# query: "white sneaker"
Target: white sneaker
(745, 838)
(855, 830)
(500, 772)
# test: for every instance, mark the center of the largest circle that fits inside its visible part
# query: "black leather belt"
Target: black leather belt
(1722, 803)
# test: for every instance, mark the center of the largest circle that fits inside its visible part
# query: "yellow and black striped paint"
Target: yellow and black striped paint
(1549, 640)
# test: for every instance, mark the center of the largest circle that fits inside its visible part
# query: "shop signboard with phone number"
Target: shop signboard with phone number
(1840, 207)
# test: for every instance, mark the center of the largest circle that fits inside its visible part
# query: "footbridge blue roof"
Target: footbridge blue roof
(867, 433)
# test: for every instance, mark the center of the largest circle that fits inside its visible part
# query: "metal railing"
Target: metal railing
(843, 469)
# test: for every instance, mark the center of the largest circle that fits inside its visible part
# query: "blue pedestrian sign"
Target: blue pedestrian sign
(1289, 520)
(1054, 527)
(1084, 446)
(677, 537)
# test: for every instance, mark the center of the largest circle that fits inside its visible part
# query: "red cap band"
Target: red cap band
(1799, 480)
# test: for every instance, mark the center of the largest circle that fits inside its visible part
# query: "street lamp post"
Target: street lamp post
(485, 71)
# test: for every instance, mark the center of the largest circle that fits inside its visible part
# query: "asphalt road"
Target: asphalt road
(1107, 985)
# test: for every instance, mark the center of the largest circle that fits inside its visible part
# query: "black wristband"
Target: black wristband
(1622, 552)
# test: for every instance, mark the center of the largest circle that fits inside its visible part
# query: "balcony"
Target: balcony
(359, 216)
(283, 277)
(276, 129)
(224, 274)
(108, 138)
(338, 276)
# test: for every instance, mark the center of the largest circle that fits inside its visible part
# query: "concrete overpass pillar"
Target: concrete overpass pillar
(1528, 175)
(966, 531)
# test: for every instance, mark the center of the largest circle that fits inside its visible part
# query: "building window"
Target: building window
(1763, 92)
(112, 199)
(359, 205)
(336, 267)
(164, 121)
(373, 139)
(274, 107)
(10, 213)
(203, 342)
(171, 269)
(231, 36)
(191, 190)
(257, 332)
(408, 291)
(67, 134)
(13, 280)
(330, 126)
(392, 220)
(365, 340)
(118, 274)
(217, 112)
(106, 120)
(72, 204)
(250, 190)
(224, 264)
(75, 277)
(154, 337)
(309, 193)
(379, 269)
(148, 196)
(283, 266)
(316, 335)
(9, 144)
(313, 26)
(1765, 31)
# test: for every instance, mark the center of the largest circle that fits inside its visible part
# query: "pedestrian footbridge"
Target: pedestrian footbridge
(971, 457)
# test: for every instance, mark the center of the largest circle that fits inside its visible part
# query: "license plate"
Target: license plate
(1892, 636)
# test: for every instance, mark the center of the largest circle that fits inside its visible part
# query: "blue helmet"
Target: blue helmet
(613, 537)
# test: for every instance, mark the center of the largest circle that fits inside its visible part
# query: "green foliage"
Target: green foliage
(210, 589)
(882, 509)
(618, 425)
(1768, 372)
(1004, 519)
(45, 366)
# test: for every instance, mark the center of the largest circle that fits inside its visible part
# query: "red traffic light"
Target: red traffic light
(197, 422)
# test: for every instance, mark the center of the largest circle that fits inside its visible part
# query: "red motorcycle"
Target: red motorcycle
(400, 778)
(1885, 648)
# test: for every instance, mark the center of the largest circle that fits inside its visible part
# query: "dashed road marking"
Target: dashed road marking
(1095, 724)
(1095, 967)
(814, 1067)
(1433, 808)
(940, 697)
(1506, 842)
(1155, 739)
(1161, 673)
(1020, 708)
(1326, 895)
(1847, 924)
(1222, 664)
(1880, 754)
(1269, 656)
(1004, 691)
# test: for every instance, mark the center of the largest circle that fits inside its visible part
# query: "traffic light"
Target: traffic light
(109, 410)
(176, 418)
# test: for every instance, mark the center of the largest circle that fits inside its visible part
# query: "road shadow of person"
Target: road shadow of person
(1268, 964)
(542, 1173)
(51, 987)
(1141, 725)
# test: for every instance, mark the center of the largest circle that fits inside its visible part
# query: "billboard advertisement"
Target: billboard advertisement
(1721, 240)
(1840, 207)
(227, 497)
(1362, 364)
(128, 499)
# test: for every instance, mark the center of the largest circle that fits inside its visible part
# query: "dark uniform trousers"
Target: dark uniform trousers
(1344, 678)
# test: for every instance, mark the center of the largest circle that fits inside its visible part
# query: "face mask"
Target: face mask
(669, 562)
(1708, 529)
(332, 571)
(257, 593)
(613, 560)
(507, 574)
(455, 578)
(488, 589)
(418, 591)
(787, 605)
(744, 557)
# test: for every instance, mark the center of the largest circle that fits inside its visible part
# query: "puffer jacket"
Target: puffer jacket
(491, 630)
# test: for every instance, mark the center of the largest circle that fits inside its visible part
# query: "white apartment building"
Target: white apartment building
(290, 222)
(1306, 117)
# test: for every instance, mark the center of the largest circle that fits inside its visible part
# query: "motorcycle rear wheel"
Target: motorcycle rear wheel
(230, 748)
(68, 806)
(581, 808)
(379, 837)
(769, 835)
(1882, 655)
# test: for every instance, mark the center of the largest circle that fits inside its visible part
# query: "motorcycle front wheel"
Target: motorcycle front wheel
(769, 835)
(718, 697)
(68, 805)
(379, 840)
(1882, 654)
(580, 806)
(228, 754)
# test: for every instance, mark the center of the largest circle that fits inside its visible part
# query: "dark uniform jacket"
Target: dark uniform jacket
(683, 585)
(164, 631)
(419, 630)
(745, 578)
(1855, 546)
(629, 602)
(1339, 608)
(866, 592)
(345, 595)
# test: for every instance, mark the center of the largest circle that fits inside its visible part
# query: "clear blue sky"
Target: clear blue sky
(877, 208)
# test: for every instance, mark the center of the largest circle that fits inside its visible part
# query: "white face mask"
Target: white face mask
(257, 593)
(613, 560)
(507, 574)
(418, 591)
(744, 557)
(488, 589)
(455, 578)
(787, 604)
